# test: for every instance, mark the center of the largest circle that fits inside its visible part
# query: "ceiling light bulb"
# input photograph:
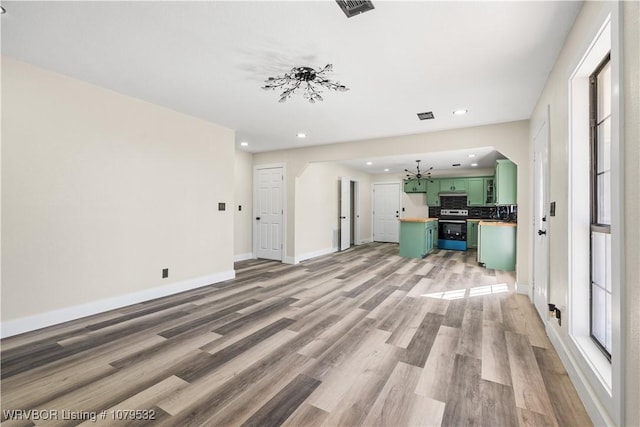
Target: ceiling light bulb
(386, 170)
(244, 143)
(369, 163)
(460, 112)
(474, 164)
(302, 135)
(472, 155)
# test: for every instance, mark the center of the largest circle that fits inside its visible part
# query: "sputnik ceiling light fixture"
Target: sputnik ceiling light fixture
(418, 174)
(310, 80)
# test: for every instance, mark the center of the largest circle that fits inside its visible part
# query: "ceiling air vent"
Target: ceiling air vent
(354, 7)
(426, 116)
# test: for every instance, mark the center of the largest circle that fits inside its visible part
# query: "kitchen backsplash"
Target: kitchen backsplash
(481, 212)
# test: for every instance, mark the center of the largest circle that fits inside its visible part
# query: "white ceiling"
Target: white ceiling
(210, 59)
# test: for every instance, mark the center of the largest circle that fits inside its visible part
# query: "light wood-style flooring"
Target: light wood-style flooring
(361, 337)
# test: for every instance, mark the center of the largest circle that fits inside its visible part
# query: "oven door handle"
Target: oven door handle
(454, 221)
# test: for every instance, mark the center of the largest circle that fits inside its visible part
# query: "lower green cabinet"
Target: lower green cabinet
(497, 246)
(418, 237)
(472, 234)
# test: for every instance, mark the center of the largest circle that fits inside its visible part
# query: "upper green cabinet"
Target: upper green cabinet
(433, 188)
(458, 185)
(475, 192)
(489, 191)
(506, 183)
(415, 185)
(481, 191)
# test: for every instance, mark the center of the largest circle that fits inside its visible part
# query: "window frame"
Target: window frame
(595, 225)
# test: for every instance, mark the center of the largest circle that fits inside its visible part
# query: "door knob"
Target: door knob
(257, 218)
(541, 232)
(343, 217)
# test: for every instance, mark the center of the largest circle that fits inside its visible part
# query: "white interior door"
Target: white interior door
(345, 213)
(541, 220)
(269, 213)
(386, 211)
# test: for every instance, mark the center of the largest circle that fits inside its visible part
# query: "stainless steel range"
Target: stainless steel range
(452, 229)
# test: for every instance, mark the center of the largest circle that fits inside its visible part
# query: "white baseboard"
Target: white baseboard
(50, 318)
(363, 241)
(593, 406)
(314, 254)
(243, 257)
(522, 288)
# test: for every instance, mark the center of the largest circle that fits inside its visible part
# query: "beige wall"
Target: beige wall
(511, 139)
(243, 222)
(317, 208)
(555, 94)
(101, 191)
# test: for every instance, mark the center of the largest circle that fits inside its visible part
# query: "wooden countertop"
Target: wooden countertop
(418, 219)
(499, 223)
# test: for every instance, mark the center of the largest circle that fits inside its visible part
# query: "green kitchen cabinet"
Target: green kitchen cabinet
(497, 246)
(456, 185)
(415, 185)
(433, 190)
(489, 191)
(417, 238)
(475, 192)
(472, 234)
(506, 182)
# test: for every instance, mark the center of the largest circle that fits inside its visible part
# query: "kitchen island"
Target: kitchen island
(418, 236)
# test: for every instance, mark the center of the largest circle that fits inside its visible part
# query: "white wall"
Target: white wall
(100, 192)
(556, 95)
(511, 139)
(317, 195)
(243, 222)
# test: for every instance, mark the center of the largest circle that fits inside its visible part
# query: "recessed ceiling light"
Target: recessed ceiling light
(369, 163)
(386, 170)
(471, 156)
(302, 135)
(244, 143)
(460, 112)
(474, 164)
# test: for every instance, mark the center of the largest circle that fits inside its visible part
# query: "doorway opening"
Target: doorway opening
(349, 215)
